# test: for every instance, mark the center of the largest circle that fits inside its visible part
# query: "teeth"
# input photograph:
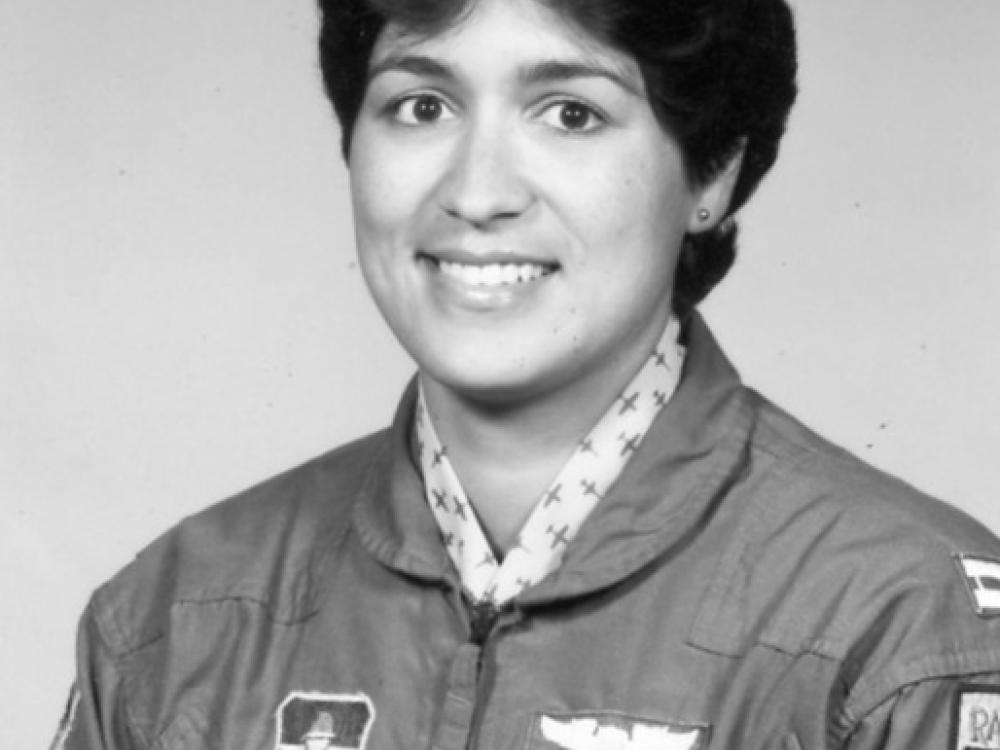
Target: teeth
(493, 274)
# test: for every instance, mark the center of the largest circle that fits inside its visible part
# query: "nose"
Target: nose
(483, 183)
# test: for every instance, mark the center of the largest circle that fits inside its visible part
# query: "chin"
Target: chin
(497, 384)
(505, 386)
(490, 387)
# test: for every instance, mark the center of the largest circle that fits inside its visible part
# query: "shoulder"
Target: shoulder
(831, 497)
(813, 479)
(260, 546)
(834, 557)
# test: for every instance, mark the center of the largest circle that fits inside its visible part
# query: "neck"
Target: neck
(505, 458)
(507, 452)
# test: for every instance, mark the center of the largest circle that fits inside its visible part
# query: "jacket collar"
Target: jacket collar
(695, 445)
(392, 516)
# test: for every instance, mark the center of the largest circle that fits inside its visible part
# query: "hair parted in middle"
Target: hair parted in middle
(719, 76)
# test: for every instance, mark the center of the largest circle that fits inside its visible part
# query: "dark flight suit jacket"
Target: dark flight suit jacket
(745, 585)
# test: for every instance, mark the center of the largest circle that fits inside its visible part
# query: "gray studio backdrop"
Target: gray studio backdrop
(181, 314)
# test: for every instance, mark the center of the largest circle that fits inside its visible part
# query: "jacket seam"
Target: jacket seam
(870, 692)
(114, 660)
(730, 576)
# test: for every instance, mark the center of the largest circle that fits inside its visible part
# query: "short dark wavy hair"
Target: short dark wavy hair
(719, 74)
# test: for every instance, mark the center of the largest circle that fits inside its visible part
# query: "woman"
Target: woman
(581, 531)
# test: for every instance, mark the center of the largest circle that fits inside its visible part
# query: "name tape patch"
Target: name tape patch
(977, 718)
(982, 578)
(611, 731)
(324, 721)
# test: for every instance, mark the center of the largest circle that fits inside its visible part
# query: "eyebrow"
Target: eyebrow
(417, 64)
(559, 70)
(544, 71)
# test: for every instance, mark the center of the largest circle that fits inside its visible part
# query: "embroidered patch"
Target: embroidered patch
(982, 577)
(324, 721)
(976, 721)
(610, 731)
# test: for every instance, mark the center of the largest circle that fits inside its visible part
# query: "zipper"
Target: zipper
(482, 621)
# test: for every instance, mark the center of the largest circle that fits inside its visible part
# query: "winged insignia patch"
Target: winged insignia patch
(618, 733)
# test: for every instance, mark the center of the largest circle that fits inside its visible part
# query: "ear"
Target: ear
(712, 200)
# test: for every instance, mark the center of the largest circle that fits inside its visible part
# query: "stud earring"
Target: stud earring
(704, 214)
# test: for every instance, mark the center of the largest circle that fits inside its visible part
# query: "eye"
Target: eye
(421, 109)
(572, 116)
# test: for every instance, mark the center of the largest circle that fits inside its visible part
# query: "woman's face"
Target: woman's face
(518, 208)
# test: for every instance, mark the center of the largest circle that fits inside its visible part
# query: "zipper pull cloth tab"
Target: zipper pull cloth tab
(484, 617)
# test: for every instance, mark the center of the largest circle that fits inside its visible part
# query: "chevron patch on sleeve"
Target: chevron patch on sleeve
(982, 579)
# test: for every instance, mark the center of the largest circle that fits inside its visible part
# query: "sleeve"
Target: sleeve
(94, 718)
(954, 713)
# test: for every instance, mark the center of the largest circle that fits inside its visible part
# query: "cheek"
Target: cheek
(634, 225)
(634, 241)
(375, 222)
(626, 193)
(381, 182)
(394, 203)
(375, 196)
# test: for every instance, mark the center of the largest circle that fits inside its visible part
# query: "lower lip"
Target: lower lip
(482, 297)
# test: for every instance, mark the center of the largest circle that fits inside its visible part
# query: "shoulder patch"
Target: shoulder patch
(596, 731)
(976, 720)
(982, 579)
(324, 721)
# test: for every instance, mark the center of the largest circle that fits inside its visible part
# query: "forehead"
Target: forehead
(497, 31)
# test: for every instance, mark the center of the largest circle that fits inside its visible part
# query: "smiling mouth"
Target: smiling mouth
(492, 274)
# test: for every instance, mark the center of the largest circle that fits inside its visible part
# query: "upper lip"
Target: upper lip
(458, 255)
